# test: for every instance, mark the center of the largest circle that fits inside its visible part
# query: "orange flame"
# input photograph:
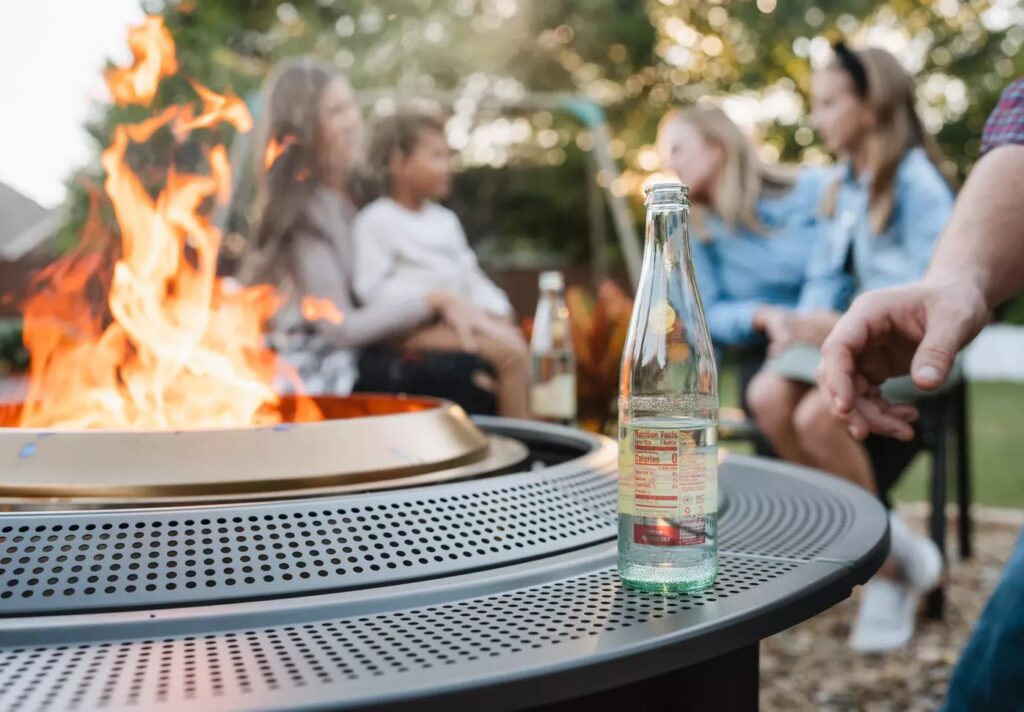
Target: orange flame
(315, 309)
(141, 131)
(153, 51)
(275, 149)
(216, 108)
(174, 347)
(220, 167)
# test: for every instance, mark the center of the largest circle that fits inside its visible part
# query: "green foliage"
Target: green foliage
(557, 233)
(635, 58)
(13, 356)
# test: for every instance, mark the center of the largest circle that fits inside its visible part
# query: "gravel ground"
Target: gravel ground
(810, 667)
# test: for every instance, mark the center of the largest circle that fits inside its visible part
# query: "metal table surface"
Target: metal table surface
(541, 628)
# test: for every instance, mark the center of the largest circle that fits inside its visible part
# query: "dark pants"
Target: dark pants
(426, 373)
(750, 359)
(990, 674)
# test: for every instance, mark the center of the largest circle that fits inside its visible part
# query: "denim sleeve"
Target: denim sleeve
(925, 203)
(827, 286)
(729, 321)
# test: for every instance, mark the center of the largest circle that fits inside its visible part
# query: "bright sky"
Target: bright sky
(52, 53)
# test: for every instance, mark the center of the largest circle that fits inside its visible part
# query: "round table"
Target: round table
(552, 632)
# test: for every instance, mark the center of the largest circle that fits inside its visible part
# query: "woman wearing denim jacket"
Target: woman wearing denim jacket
(885, 209)
(755, 225)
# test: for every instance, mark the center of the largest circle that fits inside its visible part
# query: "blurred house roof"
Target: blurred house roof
(24, 223)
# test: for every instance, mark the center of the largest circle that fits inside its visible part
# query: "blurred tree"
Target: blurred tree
(523, 188)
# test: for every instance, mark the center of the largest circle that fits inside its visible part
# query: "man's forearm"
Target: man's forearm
(984, 240)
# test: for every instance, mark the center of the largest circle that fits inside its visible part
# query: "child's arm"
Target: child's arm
(483, 292)
(318, 277)
(374, 258)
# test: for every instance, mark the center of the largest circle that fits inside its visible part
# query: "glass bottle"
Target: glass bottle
(668, 415)
(553, 361)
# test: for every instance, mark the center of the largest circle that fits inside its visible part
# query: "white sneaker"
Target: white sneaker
(885, 620)
(918, 558)
(888, 608)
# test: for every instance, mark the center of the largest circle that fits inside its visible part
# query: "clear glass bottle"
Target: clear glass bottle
(553, 361)
(668, 415)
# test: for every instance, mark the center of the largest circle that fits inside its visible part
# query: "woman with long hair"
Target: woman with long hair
(884, 211)
(755, 223)
(309, 128)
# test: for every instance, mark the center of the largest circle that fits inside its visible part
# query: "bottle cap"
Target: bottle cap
(551, 281)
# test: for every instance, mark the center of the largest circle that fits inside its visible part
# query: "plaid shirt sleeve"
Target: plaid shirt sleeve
(1005, 124)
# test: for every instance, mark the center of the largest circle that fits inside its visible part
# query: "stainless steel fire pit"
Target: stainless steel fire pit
(497, 591)
(365, 442)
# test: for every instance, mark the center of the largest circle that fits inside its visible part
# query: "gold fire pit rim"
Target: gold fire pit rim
(368, 441)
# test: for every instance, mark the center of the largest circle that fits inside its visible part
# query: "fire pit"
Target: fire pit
(498, 590)
(364, 442)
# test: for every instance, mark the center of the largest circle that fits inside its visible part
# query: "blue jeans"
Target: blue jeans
(990, 674)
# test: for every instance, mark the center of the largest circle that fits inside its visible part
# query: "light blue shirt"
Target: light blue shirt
(921, 207)
(739, 270)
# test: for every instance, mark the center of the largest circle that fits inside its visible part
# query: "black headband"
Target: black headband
(854, 67)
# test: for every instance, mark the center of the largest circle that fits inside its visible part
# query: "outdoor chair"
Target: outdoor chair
(734, 423)
(943, 431)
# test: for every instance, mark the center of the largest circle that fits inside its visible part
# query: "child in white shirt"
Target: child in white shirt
(407, 245)
(404, 253)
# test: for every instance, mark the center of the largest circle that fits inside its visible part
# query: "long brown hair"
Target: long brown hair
(744, 178)
(878, 78)
(289, 121)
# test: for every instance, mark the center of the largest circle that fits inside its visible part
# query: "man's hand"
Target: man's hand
(916, 329)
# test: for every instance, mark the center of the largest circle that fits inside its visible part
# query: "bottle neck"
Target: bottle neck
(668, 236)
(668, 212)
(551, 323)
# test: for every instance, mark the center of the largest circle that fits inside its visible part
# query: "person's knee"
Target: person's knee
(518, 351)
(768, 398)
(812, 418)
(507, 355)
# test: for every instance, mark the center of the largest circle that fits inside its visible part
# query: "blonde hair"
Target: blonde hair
(744, 178)
(400, 132)
(289, 116)
(890, 91)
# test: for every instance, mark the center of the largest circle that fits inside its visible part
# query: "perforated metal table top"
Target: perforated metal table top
(500, 591)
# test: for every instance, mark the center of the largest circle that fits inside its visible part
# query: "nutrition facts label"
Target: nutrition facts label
(665, 476)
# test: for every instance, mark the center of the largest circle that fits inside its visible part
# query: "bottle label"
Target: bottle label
(664, 476)
(559, 333)
(554, 398)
